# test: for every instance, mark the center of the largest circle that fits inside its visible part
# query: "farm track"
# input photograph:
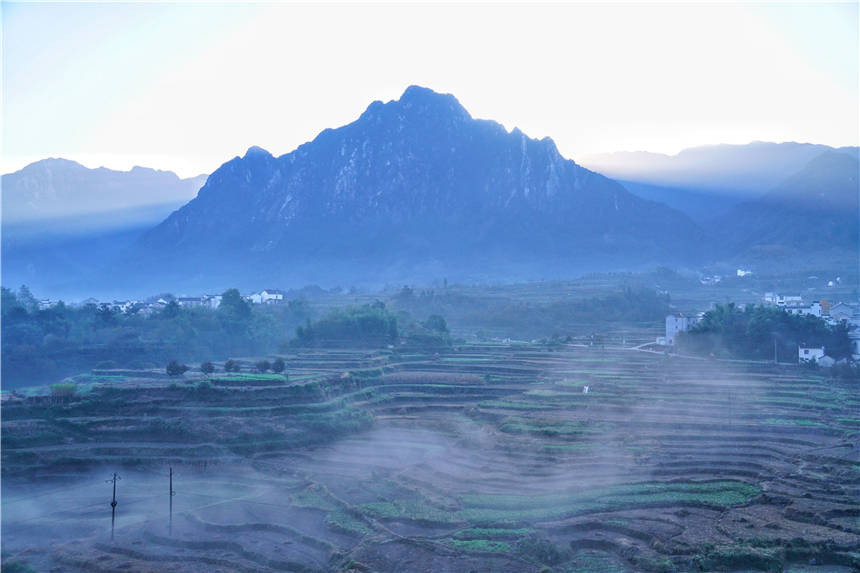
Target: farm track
(663, 463)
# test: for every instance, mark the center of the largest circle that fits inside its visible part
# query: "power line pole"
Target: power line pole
(172, 493)
(113, 504)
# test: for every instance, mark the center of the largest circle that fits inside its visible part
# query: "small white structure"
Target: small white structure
(810, 353)
(254, 298)
(212, 300)
(189, 301)
(676, 323)
(744, 273)
(45, 303)
(790, 299)
(271, 295)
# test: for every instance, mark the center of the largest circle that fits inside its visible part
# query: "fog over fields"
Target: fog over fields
(430, 287)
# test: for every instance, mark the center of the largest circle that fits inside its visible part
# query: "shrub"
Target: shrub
(538, 549)
(231, 366)
(174, 368)
(207, 368)
(263, 366)
(278, 366)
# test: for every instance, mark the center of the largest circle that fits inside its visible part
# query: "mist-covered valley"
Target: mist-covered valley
(429, 287)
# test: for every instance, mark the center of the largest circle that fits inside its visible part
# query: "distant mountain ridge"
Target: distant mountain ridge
(706, 182)
(61, 219)
(412, 186)
(756, 166)
(812, 213)
(59, 188)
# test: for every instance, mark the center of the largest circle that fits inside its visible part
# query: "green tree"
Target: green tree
(174, 368)
(231, 366)
(172, 310)
(26, 299)
(207, 368)
(233, 306)
(437, 323)
(264, 366)
(278, 365)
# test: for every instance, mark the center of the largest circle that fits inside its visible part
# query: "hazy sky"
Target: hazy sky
(187, 86)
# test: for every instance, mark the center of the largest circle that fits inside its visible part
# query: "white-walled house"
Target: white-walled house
(212, 300)
(676, 323)
(810, 353)
(813, 308)
(266, 296)
(783, 300)
(271, 295)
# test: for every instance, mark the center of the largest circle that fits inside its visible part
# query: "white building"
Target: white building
(189, 301)
(810, 354)
(212, 300)
(801, 309)
(789, 299)
(271, 295)
(676, 323)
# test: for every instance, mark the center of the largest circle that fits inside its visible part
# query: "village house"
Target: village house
(189, 301)
(810, 353)
(212, 300)
(841, 311)
(271, 296)
(677, 323)
(813, 308)
(267, 296)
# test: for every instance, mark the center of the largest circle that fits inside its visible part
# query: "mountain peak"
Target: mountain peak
(256, 151)
(421, 99)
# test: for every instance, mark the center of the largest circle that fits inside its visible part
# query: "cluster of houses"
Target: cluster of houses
(832, 313)
(793, 304)
(265, 296)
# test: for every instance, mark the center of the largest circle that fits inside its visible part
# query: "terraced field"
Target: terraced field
(489, 458)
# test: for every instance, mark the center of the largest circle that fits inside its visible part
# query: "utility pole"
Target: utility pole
(172, 493)
(113, 504)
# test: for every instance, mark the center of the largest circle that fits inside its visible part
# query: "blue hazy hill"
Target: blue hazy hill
(414, 188)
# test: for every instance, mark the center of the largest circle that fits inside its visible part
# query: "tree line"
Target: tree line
(755, 332)
(46, 345)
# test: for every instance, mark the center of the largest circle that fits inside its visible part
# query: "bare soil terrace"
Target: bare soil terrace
(489, 458)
